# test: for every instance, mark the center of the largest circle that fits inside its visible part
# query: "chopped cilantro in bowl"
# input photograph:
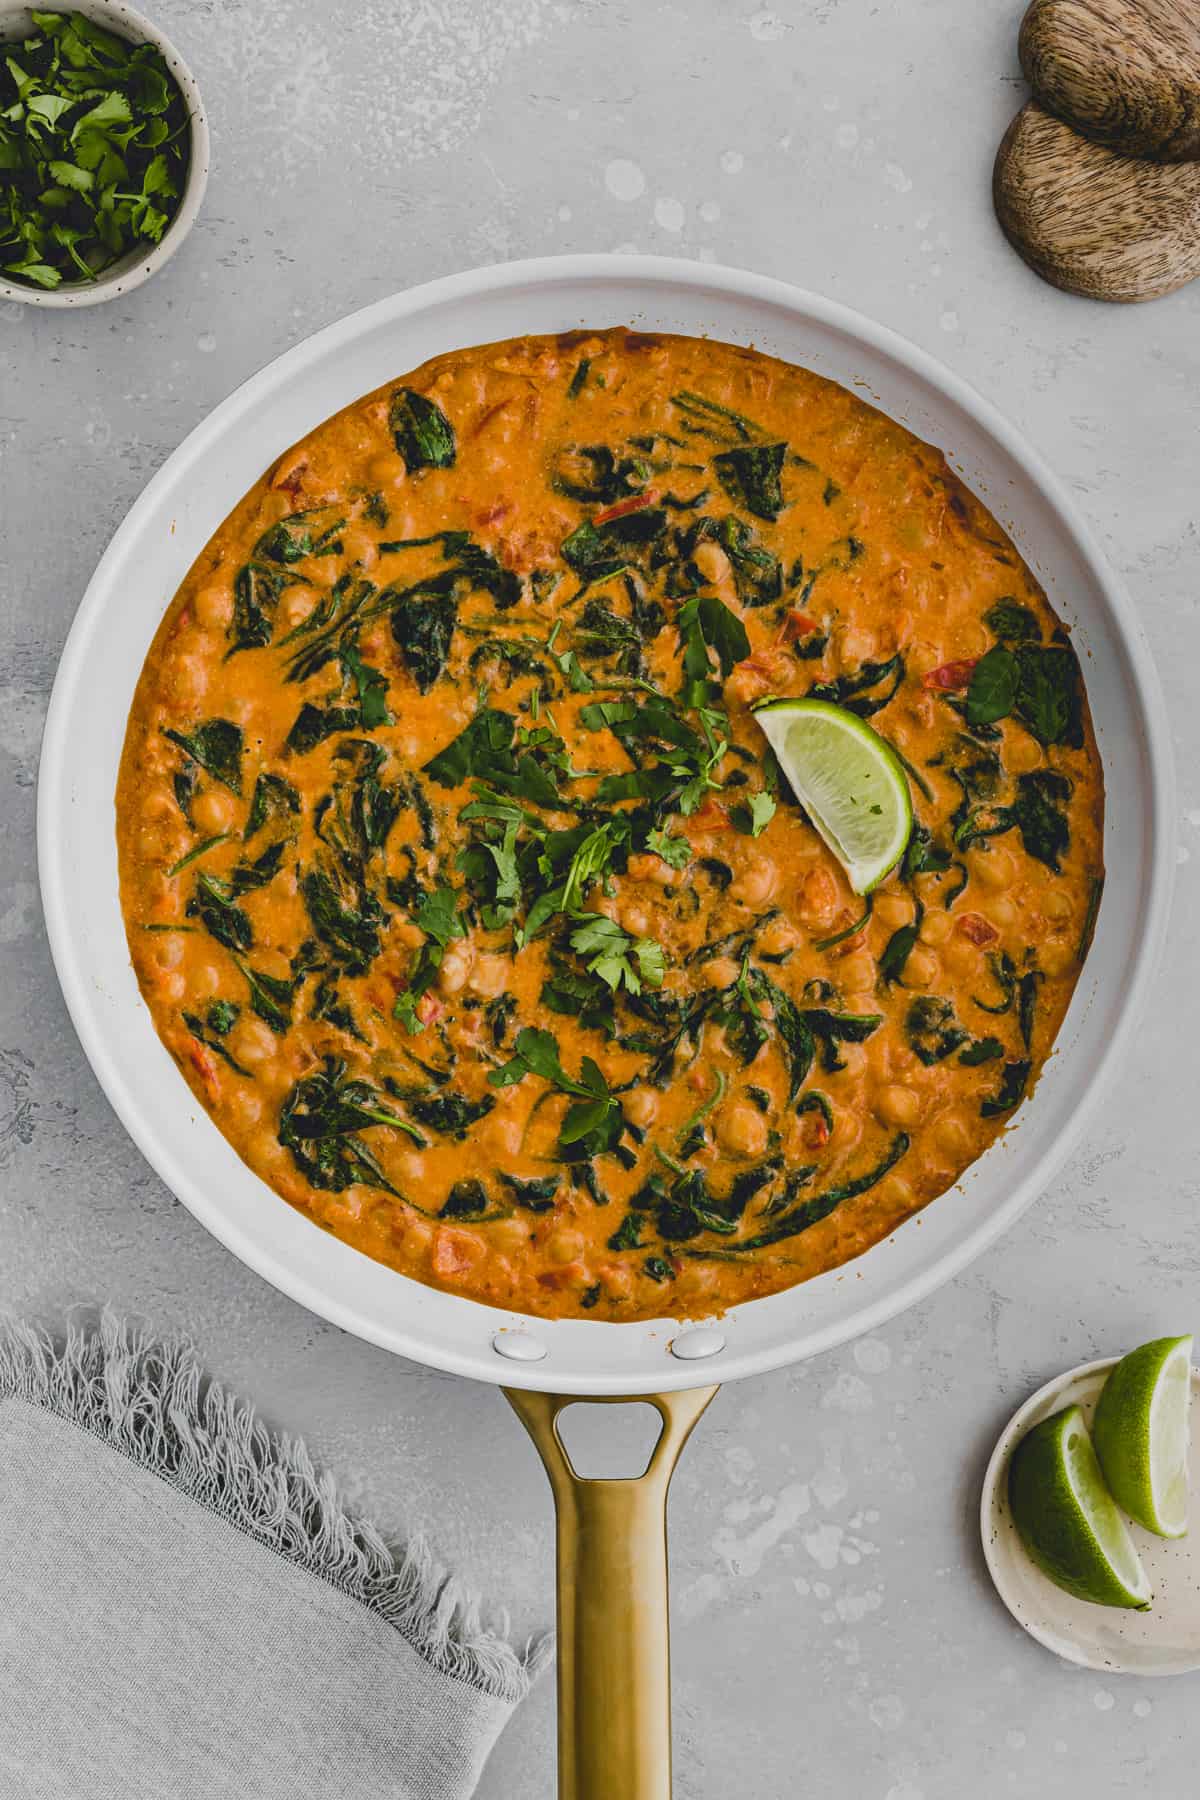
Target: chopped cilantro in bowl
(96, 147)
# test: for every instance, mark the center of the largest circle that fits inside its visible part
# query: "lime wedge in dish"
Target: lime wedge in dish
(1069, 1522)
(1141, 1433)
(849, 781)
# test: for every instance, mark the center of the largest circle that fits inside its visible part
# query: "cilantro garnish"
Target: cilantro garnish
(94, 148)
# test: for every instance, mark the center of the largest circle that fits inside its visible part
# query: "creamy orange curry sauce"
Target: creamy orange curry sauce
(464, 889)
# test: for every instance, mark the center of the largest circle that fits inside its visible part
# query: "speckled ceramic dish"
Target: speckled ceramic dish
(128, 272)
(1163, 1641)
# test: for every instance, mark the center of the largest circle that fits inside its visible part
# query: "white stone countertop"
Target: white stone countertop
(835, 1632)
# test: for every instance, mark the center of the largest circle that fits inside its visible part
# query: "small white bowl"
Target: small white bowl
(1163, 1641)
(129, 271)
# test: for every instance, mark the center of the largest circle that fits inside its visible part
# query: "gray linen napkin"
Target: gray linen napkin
(187, 1612)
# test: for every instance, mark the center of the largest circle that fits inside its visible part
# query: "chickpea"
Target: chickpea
(993, 868)
(1057, 906)
(456, 967)
(896, 1193)
(651, 868)
(253, 1042)
(857, 972)
(565, 1246)
(742, 1130)
(171, 986)
(169, 952)
(206, 979)
(388, 471)
(294, 607)
(719, 971)
(1021, 752)
(502, 1133)
(892, 910)
(246, 1105)
(214, 811)
(951, 1137)
(778, 937)
(641, 1106)
(756, 884)
(489, 977)
(635, 920)
(1057, 956)
(921, 969)
(213, 606)
(858, 645)
(935, 927)
(711, 561)
(896, 1105)
(511, 1235)
(746, 683)
(961, 956)
(186, 677)
(1001, 911)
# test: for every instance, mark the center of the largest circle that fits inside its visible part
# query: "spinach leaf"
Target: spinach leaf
(1037, 814)
(313, 724)
(810, 1212)
(221, 917)
(210, 1035)
(933, 1031)
(658, 1268)
(319, 1120)
(256, 595)
(750, 475)
(477, 750)
(535, 1194)
(628, 1235)
(793, 1026)
(594, 552)
(271, 996)
(852, 690)
(834, 1028)
(1088, 931)
(706, 623)
(595, 475)
(440, 920)
(993, 687)
(222, 1016)
(357, 816)
(345, 916)
(466, 1200)
(983, 1050)
(273, 798)
(217, 747)
(1011, 1092)
(923, 856)
(1011, 622)
(423, 630)
(423, 434)
(899, 948)
(450, 1114)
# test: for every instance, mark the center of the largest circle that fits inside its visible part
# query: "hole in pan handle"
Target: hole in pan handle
(614, 1673)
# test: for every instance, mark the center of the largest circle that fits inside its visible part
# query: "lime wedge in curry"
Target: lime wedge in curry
(1141, 1433)
(1069, 1522)
(849, 781)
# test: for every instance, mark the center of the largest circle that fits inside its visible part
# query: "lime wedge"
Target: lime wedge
(849, 781)
(1141, 1433)
(1068, 1520)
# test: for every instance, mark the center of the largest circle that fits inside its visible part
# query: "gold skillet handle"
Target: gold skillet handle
(614, 1674)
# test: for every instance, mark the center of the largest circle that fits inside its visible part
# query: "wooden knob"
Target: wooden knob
(1092, 222)
(1125, 73)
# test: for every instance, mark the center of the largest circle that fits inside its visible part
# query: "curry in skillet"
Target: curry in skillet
(464, 889)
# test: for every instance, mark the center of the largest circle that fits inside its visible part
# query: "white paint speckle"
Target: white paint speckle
(710, 212)
(887, 1712)
(628, 248)
(744, 1556)
(732, 161)
(1102, 1700)
(1142, 1709)
(846, 136)
(624, 179)
(1183, 855)
(669, 213)
(849, 1394)
(896, 179)
(949, 321)
(824, 1545)
(564, 214)
(872, 1356)
(206, 342)
(1016, 1740)
(766, 27)
(904, 1790)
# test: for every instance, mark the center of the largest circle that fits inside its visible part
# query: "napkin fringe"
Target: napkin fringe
(149, 1400)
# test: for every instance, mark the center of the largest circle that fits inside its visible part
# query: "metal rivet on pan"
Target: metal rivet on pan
(705, 1340)
(518, 1346)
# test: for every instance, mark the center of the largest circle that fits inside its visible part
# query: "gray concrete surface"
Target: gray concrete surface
(834, 1630)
